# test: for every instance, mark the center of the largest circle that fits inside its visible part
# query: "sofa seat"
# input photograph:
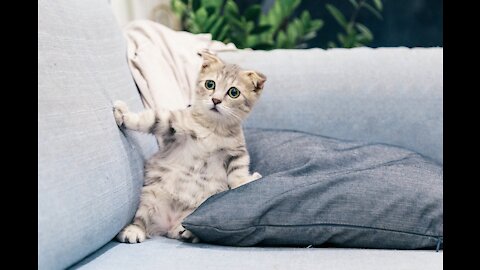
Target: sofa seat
(164, 253)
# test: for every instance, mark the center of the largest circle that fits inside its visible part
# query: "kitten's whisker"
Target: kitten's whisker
(230, 112)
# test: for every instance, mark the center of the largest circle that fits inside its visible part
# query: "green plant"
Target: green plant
(252, 29)
(356, 34)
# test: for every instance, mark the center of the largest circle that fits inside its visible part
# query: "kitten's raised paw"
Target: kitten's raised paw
(131, 234)
(120, 108)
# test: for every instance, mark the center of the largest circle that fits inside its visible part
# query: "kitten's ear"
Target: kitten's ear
(258, 79)
(209, 60)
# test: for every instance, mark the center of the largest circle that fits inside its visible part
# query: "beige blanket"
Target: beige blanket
(164, 62)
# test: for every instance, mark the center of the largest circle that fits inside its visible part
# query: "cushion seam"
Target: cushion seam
(317, 224)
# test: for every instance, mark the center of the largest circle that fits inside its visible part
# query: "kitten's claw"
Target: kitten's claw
(131, 234)
(120, 108)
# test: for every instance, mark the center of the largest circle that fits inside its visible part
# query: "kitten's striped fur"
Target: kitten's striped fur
(202, 151)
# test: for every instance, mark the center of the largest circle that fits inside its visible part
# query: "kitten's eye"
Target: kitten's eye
(233, 92)
(209, 84)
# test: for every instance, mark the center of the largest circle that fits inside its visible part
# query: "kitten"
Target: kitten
(202, 149)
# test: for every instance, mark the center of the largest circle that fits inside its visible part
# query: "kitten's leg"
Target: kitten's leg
(178, 231)
(142, 121)
(150, 218)
(237, 171)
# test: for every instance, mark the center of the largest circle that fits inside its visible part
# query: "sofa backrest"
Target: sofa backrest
(89, 172)
(384, 95)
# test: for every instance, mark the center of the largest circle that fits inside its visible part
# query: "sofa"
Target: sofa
(90, 171)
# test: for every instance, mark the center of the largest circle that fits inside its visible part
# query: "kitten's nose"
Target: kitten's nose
(216, 101)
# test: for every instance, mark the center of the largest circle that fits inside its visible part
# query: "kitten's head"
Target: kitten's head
(225, 93)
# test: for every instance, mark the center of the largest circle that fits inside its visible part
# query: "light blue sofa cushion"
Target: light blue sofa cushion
(323, 191)
(384, 95)
(89, 173)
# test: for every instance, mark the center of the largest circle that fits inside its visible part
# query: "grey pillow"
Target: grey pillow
(325, 192)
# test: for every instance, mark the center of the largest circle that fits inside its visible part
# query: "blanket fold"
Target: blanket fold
(164, 63)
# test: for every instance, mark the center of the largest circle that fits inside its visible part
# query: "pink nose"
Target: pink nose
(216, 101)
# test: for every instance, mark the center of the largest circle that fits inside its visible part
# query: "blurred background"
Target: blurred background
(270, 24)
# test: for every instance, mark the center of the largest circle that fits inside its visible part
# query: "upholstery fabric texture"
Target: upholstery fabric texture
(322, 191)
(89, 172)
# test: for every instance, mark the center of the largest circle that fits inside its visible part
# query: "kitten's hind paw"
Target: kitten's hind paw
(120, 108)
(131, 234)
(256, 176)
(188, 236)
(182, 234)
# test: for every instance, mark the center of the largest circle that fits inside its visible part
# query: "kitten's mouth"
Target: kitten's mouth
(214, 109)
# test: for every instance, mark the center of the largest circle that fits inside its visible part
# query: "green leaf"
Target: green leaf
(252, 13)
(223, 33)
(274, 17)
(354, 3)
(281, 39)
(261, 29)
(331, 44)
(298, 26)
(378, 4)
(178, 7)
(349, 41)
(365, 31)
(279, 8)
(251, 41)
(360, 38)
(210, 22)
(288, 7)
(295, 4)
(234, 21)
(248, 26)
(372, 10)
(292, 35)
(316, 24)
(215, 31)
(301, 46)
(201, 17)
(337, 15)
(305, 17)
(310, 35)
(358, 44)
(231, 8)
(193, 28)
(212, 3)
(350, 30)
(341, 38)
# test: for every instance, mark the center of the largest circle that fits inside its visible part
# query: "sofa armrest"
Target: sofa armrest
(384, 95)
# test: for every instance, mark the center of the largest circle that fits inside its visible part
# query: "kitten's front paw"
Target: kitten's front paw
(131, 234)
(120, 108)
